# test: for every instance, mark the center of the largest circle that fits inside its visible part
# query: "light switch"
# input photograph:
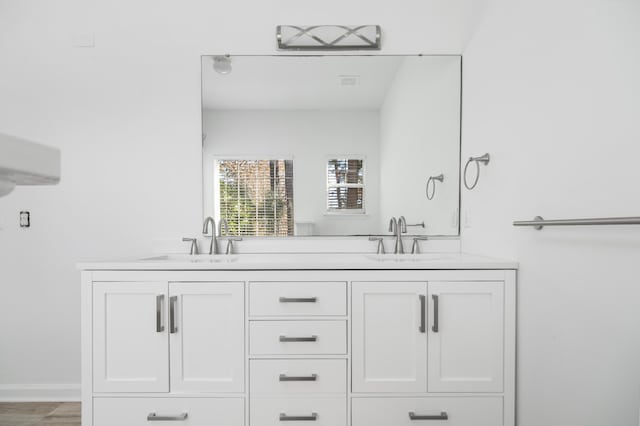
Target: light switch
(25, 219)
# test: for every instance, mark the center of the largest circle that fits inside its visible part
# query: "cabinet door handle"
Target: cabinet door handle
(442, 416)
(299, 339)
(312, 418)
(298, 299)
(159, 312)
(435, 313)
(423, 326)
(153, 417)
(173, 327)
(311, 378)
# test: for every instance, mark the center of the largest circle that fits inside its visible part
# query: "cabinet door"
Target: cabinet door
(130, 344)
(466, 343)
(389, 347)
(207, 337)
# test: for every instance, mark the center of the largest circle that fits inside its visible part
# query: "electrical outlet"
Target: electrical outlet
(25, 219)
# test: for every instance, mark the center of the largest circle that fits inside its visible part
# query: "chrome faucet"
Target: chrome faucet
(402, 228)
(397, 227)
(393, 224)
(213, 248)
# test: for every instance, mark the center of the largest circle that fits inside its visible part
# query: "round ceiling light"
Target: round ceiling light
(222, 64)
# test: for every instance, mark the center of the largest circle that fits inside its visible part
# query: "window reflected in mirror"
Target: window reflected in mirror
(345, 186)
(256, 196)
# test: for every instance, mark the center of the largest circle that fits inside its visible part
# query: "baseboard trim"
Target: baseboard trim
(39, 392)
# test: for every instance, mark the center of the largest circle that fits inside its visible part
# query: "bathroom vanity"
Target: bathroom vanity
(291, 340)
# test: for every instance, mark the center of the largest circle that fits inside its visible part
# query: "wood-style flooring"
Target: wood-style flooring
(39, 413)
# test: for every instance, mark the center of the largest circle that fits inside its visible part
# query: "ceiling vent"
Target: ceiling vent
(349, 80)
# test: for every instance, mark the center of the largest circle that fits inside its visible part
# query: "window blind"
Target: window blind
(256, 196)
(345, 185)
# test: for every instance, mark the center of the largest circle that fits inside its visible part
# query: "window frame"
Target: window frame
(346, 212)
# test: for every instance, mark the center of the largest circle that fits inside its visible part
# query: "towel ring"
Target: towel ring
(482, 159)
(433, 179)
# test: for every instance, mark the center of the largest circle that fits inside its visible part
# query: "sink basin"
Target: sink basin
(198, 258)
(422, 257)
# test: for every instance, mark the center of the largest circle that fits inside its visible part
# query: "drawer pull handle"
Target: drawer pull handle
(311, 378)
(442, 416)
(153, 417)
(298, 299)
(423, 327)
(312, 418)
(173, 328)
(436, 299)
(160, 313)
(285, 339)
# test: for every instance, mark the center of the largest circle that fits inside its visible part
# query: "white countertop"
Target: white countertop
(302, 261)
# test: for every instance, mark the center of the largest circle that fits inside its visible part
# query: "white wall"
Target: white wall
(126, 115)
(551, 90)
(309, 138)
(420, 136)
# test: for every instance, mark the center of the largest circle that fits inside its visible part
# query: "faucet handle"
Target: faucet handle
(421, 224)
(230, 241)
(380, 246)
(415, 248)
(193, 249)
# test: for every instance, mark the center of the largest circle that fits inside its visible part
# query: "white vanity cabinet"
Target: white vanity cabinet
(149, 334)
(320, 347)
(435, 336)
(466, 336)
(130, 340)
(389, 341)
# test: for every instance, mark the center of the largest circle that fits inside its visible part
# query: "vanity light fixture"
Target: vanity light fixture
(222, 64)
(328, 37)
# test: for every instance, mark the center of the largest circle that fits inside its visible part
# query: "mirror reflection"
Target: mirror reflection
(331, 145)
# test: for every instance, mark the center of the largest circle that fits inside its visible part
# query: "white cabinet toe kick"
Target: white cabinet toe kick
(299, 348)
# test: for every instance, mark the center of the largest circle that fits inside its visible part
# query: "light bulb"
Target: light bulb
(222, 64)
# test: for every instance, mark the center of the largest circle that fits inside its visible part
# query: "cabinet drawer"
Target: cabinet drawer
(140, 411)
(310, 411)
(459, 411)
(298, 376)
(298, 337)
(297, 298)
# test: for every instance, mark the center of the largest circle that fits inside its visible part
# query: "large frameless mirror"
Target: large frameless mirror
(331, 145)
